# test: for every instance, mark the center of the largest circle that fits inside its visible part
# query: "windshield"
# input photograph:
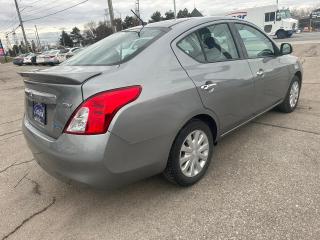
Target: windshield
(116, 48)
(284, 14)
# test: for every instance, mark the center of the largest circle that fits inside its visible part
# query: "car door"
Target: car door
(270, 73)
(223, 78)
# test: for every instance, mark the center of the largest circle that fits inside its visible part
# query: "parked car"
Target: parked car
(19, 59)
(48, 57)
(64, 55)
(105, 119)
(30, 59)
(73, 52)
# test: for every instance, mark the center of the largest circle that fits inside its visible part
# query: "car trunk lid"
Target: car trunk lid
(52, 95)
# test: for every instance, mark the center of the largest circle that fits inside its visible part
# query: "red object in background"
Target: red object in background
(1, 49)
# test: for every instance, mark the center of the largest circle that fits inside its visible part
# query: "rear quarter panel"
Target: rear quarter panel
(167, 99)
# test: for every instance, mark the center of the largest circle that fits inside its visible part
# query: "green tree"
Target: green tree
(66, 40)
(169, 15)
(156, 17)
(89, 33)
(102, 31)
(76, 36)
(33, 46)
(22, 47)
(183, 13)
(129, 22)
(118, 23)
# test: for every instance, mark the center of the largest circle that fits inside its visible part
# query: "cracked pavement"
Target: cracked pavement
(263, 183)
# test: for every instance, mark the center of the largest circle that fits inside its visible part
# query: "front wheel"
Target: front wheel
(190, 154)
(290, 102)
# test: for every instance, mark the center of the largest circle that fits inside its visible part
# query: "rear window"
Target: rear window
(116, 48)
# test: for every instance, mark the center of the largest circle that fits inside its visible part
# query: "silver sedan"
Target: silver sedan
(155, 99)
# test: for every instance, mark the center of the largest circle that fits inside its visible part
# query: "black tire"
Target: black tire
(285, 106)
(173, 171)
(281, 34)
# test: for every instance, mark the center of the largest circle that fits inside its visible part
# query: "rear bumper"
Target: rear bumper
(102, 161)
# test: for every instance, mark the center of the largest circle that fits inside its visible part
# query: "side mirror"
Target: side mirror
(285, 49)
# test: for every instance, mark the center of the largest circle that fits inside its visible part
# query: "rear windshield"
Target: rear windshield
(116, 48)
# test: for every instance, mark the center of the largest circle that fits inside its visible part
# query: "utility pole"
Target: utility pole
(111, 15)
(175, 9)
(37, 35)
(137, 9)
(21, 25)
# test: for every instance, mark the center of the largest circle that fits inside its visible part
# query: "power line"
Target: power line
(36, 10)
(31, 19)
(13, 19)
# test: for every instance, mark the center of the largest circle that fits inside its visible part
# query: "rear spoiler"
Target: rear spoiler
(70, 78)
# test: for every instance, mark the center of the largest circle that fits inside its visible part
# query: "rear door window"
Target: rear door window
(210, 44)
(192, 47)
(217, 42)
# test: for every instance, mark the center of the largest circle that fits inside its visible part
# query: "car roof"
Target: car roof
(187, 21)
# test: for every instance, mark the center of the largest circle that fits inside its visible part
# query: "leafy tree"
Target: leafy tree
(76, 36)
(169, 15)
(102, 31)
(22, 48)
(33, 46)
(156, 17)
(129, 22)
(66, 40)
(183, 13)
(15, 50)
(89, 33)
(118, 23)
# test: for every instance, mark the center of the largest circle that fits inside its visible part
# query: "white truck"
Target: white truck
(271, 19)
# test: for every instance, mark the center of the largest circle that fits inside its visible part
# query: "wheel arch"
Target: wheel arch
(281, 30)
(299, 75)
(210, 122)
(207, 118)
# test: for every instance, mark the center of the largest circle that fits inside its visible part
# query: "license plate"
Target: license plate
(39, 113)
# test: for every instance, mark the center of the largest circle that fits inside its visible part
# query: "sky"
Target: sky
(93, 10)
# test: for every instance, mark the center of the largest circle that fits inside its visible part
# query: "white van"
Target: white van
(273, 21)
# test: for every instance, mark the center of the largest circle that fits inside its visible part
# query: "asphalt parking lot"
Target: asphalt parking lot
(305, 37)
(263, 183)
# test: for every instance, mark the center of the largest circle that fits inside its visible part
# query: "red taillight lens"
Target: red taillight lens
(95, 114)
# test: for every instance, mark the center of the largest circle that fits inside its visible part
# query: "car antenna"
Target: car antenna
(140, 21)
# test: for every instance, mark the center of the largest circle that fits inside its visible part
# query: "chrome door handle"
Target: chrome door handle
(260, 73)
(209, 87)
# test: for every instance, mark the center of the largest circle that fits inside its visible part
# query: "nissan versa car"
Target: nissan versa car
(114, 114)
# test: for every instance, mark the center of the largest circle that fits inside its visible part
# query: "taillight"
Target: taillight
(95, 114)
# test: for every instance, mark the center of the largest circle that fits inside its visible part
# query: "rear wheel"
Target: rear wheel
(281, 34)
(290, 103)
(190, 154)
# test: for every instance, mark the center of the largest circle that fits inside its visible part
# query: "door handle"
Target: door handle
(260, 73)
(208, 86)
